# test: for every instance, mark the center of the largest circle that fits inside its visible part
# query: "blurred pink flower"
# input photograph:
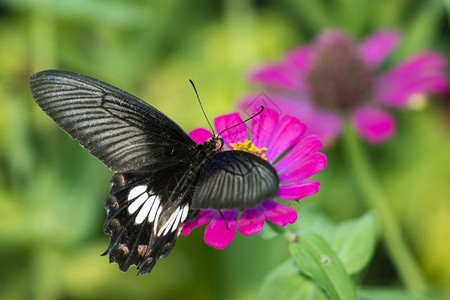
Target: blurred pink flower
(270, 137)
(333, 77)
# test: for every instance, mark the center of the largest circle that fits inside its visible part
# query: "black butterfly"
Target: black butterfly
(163, 178)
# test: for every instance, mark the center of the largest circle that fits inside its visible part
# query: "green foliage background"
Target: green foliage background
(51, 190)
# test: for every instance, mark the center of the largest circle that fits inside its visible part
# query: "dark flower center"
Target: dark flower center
(338, 78)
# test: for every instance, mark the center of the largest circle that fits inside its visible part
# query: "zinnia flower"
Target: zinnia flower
(334, 77)
(280, 142)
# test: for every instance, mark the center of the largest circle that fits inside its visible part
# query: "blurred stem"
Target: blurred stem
(404, 261)
(284, 232)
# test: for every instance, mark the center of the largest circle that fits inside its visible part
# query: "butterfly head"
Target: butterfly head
(213, 144)
(217, 142)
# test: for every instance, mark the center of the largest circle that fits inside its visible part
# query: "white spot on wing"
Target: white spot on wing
(137, 203)
(185, 212)
(177, 220)
(168, 224)
(155, 206)
(136, 191)
(143, 213)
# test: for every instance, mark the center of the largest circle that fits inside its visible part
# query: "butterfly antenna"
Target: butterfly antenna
(223, 217)
(248, 119)
(201, 106)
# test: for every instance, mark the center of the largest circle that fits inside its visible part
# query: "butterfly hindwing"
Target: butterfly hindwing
(124, 132)
(143, 220)
(145, 215)
(234, 179)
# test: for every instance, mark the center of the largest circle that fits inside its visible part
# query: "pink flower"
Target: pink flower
(334, 77)
(270, 137)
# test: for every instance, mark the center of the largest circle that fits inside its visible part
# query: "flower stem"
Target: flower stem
(289, 236)
(401, 256)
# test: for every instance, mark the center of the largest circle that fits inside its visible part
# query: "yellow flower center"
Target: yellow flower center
(249, 147)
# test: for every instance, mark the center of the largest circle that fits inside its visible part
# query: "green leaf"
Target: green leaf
(317, 260)
(286, 282)
(355, 242)
(397, 294)
(313, 219)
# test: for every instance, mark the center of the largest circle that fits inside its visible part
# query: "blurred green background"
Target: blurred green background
(51, 190)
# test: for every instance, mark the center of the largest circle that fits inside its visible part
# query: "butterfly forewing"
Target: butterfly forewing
(234, 179)
(124, 132)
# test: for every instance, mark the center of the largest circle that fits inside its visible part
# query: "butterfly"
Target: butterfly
(162, 177)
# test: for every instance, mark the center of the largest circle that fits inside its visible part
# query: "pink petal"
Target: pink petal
(200, 135)
(286, 134)
(218, 233)
(313, 164)
(298, 191)
(326, 125)
(421, 74)
(278, 213)
(251, 221)
(203, 217)
(278, 74)
(378, 46)
(374, 125)
(263, 127)
(301, 57)
(233, 135)
(303, 149)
